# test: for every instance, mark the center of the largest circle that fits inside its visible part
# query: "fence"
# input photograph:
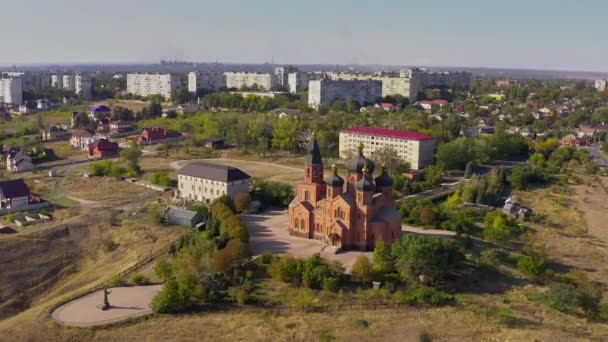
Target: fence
(297, 309)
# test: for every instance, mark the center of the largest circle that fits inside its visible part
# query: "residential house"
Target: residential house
(100, 112)
(15, 196)
(483, 121)
(570, 140)
(428, 105)
(103, 148)
(188, 108)
(54, 133)
(283, 112)
(150, 136)
(103, 126)
(81, 139)
(118, 128)
(17, 161)
(386, 106)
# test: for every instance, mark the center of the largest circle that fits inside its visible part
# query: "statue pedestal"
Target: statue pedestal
(103, 307)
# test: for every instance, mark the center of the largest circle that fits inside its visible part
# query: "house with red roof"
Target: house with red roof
(154, 135)
(103, 148)
(387, 106)
(427, 105)
(411, 147)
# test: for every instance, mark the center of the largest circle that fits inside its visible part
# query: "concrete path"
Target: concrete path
(126, 302)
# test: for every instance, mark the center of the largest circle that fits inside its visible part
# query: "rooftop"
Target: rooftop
(388, 133)
(214, 172)
(14, 188)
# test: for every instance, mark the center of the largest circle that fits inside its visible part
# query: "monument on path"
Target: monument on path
(106, 302)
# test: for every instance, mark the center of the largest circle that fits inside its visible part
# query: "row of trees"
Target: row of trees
(199, 269)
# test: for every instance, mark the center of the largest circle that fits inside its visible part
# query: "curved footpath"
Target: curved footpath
(126, 302)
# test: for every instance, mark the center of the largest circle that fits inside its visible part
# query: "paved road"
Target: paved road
(597, 155)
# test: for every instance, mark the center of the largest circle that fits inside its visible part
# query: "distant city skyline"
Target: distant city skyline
(473, 33)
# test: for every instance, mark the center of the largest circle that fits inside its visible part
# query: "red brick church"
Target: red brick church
(350, 216)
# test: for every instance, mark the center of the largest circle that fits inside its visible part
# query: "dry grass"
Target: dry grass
(101, 189)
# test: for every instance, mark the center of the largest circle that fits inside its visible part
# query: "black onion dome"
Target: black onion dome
(335, 179)
(384, 179)
(357, 164)
(365, 183)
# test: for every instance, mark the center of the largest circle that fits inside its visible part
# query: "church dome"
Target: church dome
(357, 164)
(384, 180)
(365, 183)
(335, 179)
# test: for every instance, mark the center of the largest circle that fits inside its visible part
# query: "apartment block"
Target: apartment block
(297, 82)
(11, 90)
(69, 83)
(205, 80)
(31, 80)
(204, 182)
(153, 84)
(600, 85)
(282, 75)
(421, 79)
(413, 147)
(57, 81)
(249, 79)
(325, 92)
(83, 87)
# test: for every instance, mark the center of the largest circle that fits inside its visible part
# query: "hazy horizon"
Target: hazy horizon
(471, 34)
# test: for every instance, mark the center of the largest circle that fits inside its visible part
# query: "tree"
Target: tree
(388, 156)
(242, 201)
(362, 269)
(562, 297)
(131, 156)
(499, 227)
(382, 259)
(427, 215)
(429, 258)
(468, 171)
(433, 174)
(285, 133)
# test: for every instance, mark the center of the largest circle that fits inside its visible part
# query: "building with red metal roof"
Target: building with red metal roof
(415, 148)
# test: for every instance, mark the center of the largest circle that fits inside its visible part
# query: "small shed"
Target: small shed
(183, 217)
(213, 143)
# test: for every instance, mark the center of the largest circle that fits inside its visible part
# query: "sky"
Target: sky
(535, 34)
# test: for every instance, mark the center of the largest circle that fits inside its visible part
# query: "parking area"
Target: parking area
(269, 232)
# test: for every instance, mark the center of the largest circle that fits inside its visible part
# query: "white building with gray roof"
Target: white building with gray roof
(204, 182)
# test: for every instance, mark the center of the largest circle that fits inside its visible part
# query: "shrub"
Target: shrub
(109, 245)
(331, 284)
(10, 218)
(534, 268)
(162, 178)
(562, 297)
(242, 201)
(170, 299)
(163, 270)
(115, 281)
(426, 296)
(139, 279)
(265, 258)
(506, 316)
(499, 227)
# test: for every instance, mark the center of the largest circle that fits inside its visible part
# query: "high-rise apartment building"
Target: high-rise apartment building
(11, 90)
(83, 87)
(153, 84)
(205, 80)
(325, 92)
(238, 80)
(601, 85)
(68, 82)
(282, 74)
